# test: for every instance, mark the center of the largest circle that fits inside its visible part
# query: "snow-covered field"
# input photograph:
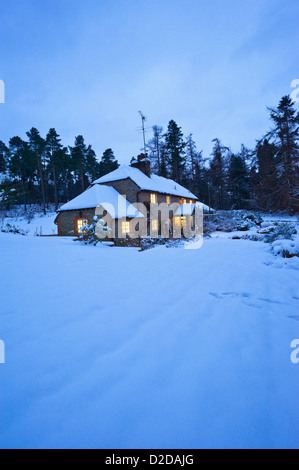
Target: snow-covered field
(167, 348)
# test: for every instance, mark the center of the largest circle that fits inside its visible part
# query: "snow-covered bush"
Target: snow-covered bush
(254, 237)
(285, 248)
(229, 221)
(254, 217)
(10, 228)
(209, 226)
(221, 222)
(266, 228)
(282, 231)
(148, 242)
(29, 217)
(32, 211)
(94, 233)
(8, 194)
(246, 220)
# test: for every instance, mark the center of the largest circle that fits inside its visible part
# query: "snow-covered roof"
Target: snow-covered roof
(155, 183)
(188, 209)
(107, 197)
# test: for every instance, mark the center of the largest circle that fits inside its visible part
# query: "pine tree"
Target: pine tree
(238, 180)
(155, 145)
(37, 146)
(21, 165)
(218, 175)
(92, 165)
(108, 163)
(175, 146)
(78, 156)
(3, 157)
(194, 163)
(285, 136)
(163, 162)
(53, 150)
(64, 171)
(266, 185)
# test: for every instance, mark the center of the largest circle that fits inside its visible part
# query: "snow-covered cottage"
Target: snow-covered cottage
(116, 192)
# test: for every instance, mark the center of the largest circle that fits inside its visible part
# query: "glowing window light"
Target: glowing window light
(154, 198)
(154, 225)
(125, 227)
(80, 225)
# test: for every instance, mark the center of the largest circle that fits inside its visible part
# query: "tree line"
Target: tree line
(42, 170)
(265, 178)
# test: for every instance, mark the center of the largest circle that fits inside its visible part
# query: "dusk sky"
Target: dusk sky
(88, 66)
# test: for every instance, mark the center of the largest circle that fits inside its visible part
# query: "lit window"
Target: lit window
(168, 200)
(154, 198)
(184, 221)
(177, 222)
(191, 202)
(125, 227)
(154, 225)
(80, 224)
(184, 201)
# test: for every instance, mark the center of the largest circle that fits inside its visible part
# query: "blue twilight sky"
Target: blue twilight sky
(87, 67)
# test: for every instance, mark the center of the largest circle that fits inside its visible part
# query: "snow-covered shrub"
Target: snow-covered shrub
(229, 221)
(243, 225)
(94, 233)
(254, 217)
(10, 228)
(253, 237)
(176, 242)
(246, 220)
(209, 226)
(285, 248)
(148, 243)
(29, 217)
(8, 194)
(128, 242)
(266, 229)
(224, 222)
(283, 231)
(18, 211)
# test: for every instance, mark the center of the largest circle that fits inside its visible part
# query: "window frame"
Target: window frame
(79, 229)
(127, 224)
(154, 225)
(153, 198)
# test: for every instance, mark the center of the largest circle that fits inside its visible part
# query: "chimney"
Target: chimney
(142, 162)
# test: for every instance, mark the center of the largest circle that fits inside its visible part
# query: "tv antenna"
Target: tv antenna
(143, 120)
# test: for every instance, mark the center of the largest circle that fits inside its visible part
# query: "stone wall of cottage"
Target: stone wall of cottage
(126, 188)
(66, 220)
(67, 223)
(145, 198)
